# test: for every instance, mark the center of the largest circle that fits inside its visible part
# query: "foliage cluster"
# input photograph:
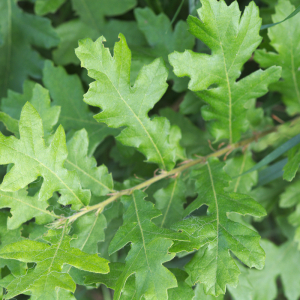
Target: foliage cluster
(144, 158)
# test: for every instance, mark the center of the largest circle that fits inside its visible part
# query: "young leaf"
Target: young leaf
(67, 92)
(31, 159)
(232, 39)
(18, 60)
(149, 249)
(285, 40)
(46, 277)
(215, 234)
(128, 106)
(162, 40)
(24, 208)
(97, 179)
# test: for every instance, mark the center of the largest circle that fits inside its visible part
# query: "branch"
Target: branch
(184, 166)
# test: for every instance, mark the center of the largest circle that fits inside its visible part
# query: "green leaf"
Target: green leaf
(67, 92)
(20, 31)
(96, 179)
(294, 13)
(290, 198)
(43, 7)
(194, 140)
(14, 102)
(7, 237)
(200, 294)
(170, 201)
(215, 234)
(31, 159)
(149, 249)
(40, 100)
(275, 154)
(162, 40)
(91, 23)
(183, 291)
(281, 261)
(285, 40)
(92, 12)
(237, 166)
(292, 166)
(24, 208)
(43, 280)
(214, 76)
(128, 106)
(87, 232)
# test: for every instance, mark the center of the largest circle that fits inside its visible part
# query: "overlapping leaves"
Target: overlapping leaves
(215, 234)
(149, 249)
(232, 39)
(20, 31)
(285, 40)
(50, 256)
(32, 158)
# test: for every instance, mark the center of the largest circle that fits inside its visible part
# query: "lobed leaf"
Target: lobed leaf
(67, 92)
(149, 249)
(20, 31)
(31, 159)
(96, 179)
(215, 234)
(24, 208)
(40, 100)
(128, 105)
(285, 40)
(162, 40)
(50, 256)
(232, 39)
(7, 237)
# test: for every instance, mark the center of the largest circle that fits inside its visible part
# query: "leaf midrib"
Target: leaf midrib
(88, 175)
(137, 118)
(34, 207)
(47, 169)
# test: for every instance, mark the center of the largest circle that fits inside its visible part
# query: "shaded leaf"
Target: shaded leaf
(20, 31)
(285, 40)
(292, 166)
(162, 40)
(40, 100)
(7, 237)
(67, 92)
